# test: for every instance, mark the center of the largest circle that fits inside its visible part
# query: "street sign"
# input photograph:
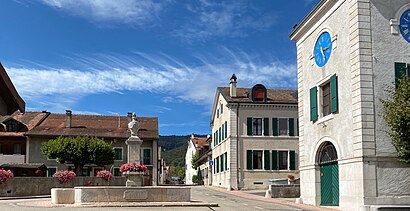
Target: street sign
(211, 162)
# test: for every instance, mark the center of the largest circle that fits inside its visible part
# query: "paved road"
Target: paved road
(225, 201)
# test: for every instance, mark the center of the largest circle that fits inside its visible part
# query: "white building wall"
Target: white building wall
(189, 171)
(363, 56)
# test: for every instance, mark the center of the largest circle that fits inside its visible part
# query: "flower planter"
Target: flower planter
(134, 179)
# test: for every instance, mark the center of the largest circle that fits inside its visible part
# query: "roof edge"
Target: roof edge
(306, 18)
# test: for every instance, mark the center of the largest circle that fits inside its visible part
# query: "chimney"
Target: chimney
(68, 118)
(232, 86)
(129, 117)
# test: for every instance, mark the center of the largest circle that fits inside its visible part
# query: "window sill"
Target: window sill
(325, 119)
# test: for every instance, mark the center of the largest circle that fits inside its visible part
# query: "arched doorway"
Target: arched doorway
(329, 175)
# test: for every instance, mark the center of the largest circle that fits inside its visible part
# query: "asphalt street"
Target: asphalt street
(225, 201)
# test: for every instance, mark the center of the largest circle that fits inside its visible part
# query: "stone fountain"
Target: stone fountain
(133, 191)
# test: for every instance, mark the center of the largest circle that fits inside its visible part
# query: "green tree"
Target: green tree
(195, 158)
(397, 117)
(80, 150)
(178, 171)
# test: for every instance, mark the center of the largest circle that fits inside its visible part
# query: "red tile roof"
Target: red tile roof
(284, 96)
(29, 119)
(95, 125)
(200, 142)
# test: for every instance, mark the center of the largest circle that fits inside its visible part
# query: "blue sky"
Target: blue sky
(161, 58)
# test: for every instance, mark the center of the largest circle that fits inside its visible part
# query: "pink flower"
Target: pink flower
(64, 176)
(5, 175)
(106, 175)
(133, 167)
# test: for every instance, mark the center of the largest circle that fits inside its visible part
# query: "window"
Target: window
(283, 126)
(17, 148)
(259, 93)
(226, 129)
(257, 126)
(12, 126)
(51, 171)
(257, 159)
(401, 69)
(221, 107)
(326, 99)
(217, 113)
(117, 153)
(146, 157)
(283, 160)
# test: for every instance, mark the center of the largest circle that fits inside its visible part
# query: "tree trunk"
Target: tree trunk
(78, 170)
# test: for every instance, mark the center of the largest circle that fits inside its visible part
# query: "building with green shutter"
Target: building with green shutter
(348, 53)
(254, 136)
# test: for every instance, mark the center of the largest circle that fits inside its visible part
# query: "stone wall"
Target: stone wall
(284, 191)
(35, 186)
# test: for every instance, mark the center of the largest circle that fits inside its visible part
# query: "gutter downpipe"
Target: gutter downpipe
(237, 145)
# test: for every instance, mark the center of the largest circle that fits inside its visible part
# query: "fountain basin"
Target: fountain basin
(127, 194)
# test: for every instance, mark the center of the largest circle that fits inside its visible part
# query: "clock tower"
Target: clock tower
(348, 53)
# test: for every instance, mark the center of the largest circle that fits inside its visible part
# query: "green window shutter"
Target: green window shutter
(217, 165)
(226, 129)
(399, 71)
(223, 131)
(226, 161)
(313, 104)
(221, 160)
(275, 160)
(249, 160)
(266, 126)
(291, 127)
(214, 166)
(275, 126)
(267, 160)
(249, 126)
(217, 137)
(220, 135)
(292, 156)
(333, 94)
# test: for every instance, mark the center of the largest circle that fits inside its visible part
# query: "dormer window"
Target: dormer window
(259, 93)
(12, 126)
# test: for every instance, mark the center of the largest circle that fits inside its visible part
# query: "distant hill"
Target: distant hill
(174, 148)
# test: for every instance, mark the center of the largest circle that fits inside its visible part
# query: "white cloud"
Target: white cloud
(61, 87)
(138, 12)
(231, 19)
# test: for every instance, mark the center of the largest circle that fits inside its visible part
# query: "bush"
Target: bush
(194, 179)
(64, 176)
(5, 175)
(106, 175)
(397, 116)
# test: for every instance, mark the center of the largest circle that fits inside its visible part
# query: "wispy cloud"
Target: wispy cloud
(136, 12)
(62, 87)
(227, 19)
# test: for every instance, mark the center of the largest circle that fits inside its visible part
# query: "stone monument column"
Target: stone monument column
(134, 152)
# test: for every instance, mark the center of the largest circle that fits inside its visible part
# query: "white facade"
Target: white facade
(366, 45)
(245, 161)
(189, 171)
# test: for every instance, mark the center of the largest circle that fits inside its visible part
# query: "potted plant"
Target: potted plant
(64, 176)
(134, 173)
(291, 179)
(105, 175)
(5, 175)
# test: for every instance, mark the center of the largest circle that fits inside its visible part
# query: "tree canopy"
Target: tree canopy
(79, 151)
(397, 116)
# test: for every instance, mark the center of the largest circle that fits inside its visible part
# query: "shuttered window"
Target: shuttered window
(274, 160)
(266, 159)
(217, 165)
(226, 129)
(313, 104)
(292, 160)
(291, 127)
(333, 94)
(266, 126)
(226, 161)
(147, 157)
(249, 161)
(117, 153)
(400, 70)
(249, 126)
(222, 162)
(275, 126)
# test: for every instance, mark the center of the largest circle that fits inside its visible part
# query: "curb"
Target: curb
(148, 204)
(25, 197)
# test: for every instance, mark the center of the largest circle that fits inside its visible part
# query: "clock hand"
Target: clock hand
(323, 54)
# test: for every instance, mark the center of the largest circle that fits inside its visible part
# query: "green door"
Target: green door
(329, 184)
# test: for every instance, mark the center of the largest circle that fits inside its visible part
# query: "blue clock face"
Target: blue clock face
(404, 25)
(323, 49)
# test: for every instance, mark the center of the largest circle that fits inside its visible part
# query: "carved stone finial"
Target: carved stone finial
(134, 125)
